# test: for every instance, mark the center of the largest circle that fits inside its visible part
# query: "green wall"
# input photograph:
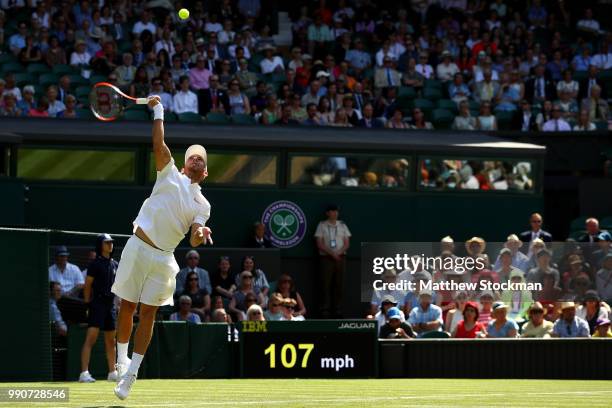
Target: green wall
(26, 343)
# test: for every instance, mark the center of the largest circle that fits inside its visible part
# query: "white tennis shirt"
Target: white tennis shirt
(174, 205)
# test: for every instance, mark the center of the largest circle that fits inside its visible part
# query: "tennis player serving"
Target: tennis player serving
(147, 269)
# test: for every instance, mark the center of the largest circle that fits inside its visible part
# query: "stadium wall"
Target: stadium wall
(26, 344)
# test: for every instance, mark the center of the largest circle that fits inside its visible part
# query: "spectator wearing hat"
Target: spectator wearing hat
(192, 260)
(419, 278)
(475, 246)
(66, 274)
(271, 63)
(592, 310)
(388, 276)
(396, 327)
(184, 314)
(604, 279)
(333, 240)
(426, 316)
(517, 258)
(535, 275)
(604, 244)
(501, 326)
(537, 326)
(387, 302)
(535, 247)
(447, 69)
(102, 311)
(568, 324)
(387, 75)
(602, 329)
(469, 327)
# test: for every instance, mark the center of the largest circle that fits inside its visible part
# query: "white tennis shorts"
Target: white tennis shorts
(145, 274)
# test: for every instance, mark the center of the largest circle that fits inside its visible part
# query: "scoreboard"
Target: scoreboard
(311, 348)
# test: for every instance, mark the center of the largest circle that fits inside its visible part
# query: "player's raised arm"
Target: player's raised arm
(160, 149)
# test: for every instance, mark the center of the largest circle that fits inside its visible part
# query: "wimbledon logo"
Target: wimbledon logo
(285, 224)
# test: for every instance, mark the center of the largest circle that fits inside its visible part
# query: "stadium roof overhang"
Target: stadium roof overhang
(17, 131)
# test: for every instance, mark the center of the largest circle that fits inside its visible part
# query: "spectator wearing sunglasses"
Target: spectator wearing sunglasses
(288, 308)
(286, 289)
(255, 314)
(192, 259)
(184, 313)
(568, 324)
(200, 298)
(260, 282)
(245, 296)
(275, 305)
(556, 123)
(536, 231)
(537, 326)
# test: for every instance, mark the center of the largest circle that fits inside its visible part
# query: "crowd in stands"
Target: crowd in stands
(414, 64)
(575, 299)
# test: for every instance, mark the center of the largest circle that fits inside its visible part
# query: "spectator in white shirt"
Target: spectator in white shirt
(556, 123)
(66, 274)
(385, 52)
(184, 99)
(55, 105)
(157, 88)
(226, 35)
(145, 23)
(165, 43)
(423, 67)
(584, 123)
(446, 70)
(212, 25)
(271, 63)
(602, 60)
(588, 23)
(80, 56)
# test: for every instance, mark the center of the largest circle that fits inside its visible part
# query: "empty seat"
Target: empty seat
(214, 117)
(442, 118)
(189, 117)
(37, 69)
(243, 119)
(136, 115)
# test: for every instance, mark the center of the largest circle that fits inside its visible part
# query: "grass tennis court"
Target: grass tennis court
(336, 393)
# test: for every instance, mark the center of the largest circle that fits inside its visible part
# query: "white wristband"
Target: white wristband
(158, 112)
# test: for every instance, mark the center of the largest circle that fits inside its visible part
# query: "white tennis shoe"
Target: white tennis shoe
(122, 369)
(122, 390)
(85, 377)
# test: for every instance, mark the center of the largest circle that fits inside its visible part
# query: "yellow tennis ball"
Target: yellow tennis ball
(183, 14)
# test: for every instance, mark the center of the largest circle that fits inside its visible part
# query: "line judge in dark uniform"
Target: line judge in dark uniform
(536, 230)
(102, 311)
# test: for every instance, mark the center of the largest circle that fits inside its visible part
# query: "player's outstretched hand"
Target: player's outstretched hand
(154, 100)
(205, 235)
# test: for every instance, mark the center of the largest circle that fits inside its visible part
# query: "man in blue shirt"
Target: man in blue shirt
(569, 325)
(425, 317)
(17, 40)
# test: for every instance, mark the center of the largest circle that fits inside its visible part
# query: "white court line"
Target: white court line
(348, 400)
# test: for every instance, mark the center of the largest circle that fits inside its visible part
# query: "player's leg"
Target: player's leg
(90, 340)
(111, 352)
(125, 323)
(143, 335)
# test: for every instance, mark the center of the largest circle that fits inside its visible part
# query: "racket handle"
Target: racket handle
(142, 101)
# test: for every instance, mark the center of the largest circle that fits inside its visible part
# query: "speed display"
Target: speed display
(322, 349)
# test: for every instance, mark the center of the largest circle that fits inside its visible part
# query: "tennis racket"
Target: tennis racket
(107, 102)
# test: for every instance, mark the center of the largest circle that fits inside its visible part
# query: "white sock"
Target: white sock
(135, 364)
(122, 350)
(85, 372)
